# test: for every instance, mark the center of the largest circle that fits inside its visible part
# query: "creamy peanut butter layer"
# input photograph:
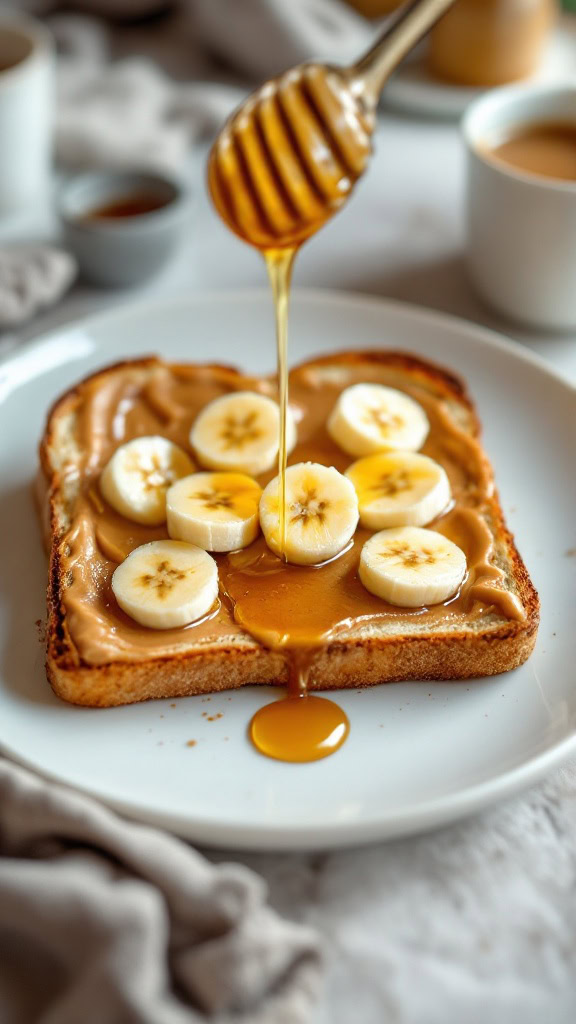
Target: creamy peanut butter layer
(261, 597)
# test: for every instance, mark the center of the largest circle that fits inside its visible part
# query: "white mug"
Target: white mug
(26, 110)
(521, 227)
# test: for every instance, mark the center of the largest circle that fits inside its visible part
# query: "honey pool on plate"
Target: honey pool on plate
(299, 728)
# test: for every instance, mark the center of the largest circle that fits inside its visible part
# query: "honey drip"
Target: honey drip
(279, 264)
(299, 727)
(282, 166)
(279, 170)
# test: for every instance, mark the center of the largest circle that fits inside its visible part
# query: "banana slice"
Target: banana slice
(399, 489)
(136, 478)
(240, 432)
(166, 584)
(216, 511)
(411, 567)
(321, 513)
(369, 418)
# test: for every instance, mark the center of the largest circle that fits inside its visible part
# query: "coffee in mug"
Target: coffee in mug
(521, 202)
(546, 148)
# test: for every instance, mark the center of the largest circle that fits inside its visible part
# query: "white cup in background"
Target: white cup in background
(26, 111)
(521, 227)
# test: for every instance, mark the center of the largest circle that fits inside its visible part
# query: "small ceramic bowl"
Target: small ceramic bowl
(122, 227)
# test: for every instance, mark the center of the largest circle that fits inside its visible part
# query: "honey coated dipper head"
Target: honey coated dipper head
(289, 157)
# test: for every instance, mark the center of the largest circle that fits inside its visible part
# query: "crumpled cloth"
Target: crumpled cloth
(107, 922)
(32, 277)
(128, 112)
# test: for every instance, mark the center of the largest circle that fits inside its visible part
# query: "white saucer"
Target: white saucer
(418, 754)
(412, 89)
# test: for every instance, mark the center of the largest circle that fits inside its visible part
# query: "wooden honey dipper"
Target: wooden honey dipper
(290, 156)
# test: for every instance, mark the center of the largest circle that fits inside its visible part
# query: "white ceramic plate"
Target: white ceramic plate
(418, 754)
(414, 90)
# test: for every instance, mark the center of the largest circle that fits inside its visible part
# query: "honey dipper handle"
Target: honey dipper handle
(369, 75)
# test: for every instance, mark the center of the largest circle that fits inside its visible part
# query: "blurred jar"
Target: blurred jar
(375, 8)
(489, 42)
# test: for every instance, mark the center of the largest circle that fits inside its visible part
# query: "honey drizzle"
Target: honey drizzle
(282, 165)
(279, 263)
(298, 727)
(278, 171)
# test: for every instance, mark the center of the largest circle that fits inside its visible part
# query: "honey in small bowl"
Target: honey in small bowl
(133, 204)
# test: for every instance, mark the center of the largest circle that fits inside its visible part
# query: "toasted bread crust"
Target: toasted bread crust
(354, 662)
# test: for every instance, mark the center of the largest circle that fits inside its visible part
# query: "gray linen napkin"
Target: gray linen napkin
(128, 112)
(107, 922)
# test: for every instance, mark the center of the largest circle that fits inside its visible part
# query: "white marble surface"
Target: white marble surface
(476, 923)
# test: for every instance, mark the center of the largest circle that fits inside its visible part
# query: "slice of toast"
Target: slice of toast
(97, 657)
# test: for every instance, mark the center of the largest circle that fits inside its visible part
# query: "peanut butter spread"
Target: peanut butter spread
(261, 597)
